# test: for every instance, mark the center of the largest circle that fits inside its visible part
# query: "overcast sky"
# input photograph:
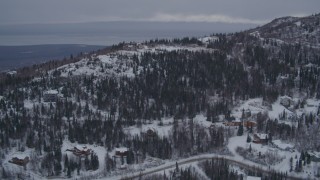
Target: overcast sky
(229, 11)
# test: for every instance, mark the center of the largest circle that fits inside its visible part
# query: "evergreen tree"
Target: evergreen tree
(240, 130)
(4, 173)
(66, 162)
(248, 138)
(94, 161)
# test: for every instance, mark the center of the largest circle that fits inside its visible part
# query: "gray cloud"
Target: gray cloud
(179, 17)
(203, 18)
(228, 11)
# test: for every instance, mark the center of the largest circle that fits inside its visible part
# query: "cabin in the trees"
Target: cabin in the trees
(150, 133)
(249, 124)
(260, 138)
(120, 157)
(130, 47)
(236, 122)
(246, 113)
(253, 178)
(84, 151)
(121, 151)
(20, 162)
(50, 96)
(314, 156)
(231, 118)
(286, 101)
(12, 73)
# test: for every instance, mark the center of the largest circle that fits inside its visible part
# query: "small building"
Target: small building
(120, 157)
(315, 157)
(231, 118)
(249, 124)
(260, 138)
(12, 73)
(212, 126)
(247, 113)
(50, 96)
(236, 122)
(150, 133)
(121, 151)
(130, 47)
(286, 101)
(20, 162)
(253, 178)
(84, 151)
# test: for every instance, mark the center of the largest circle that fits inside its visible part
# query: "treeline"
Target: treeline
(214, 169)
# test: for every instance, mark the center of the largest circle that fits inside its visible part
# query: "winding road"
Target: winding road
(230, 159)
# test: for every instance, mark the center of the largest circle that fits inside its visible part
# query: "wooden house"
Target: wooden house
(260, 138)
(253, 178)
(120, 157)
(80, 152)
(150, 133)
(232, 123)
(50, 96)
(249, 124)
(20, 162)
(121, 152)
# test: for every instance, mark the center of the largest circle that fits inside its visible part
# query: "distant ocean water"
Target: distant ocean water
(13, 57)
(108, 33)
(17, 41)
(89, 39)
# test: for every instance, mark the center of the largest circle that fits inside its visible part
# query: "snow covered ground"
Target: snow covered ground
(98, 150)
(254, 105)
(161, 129)
(117, 63)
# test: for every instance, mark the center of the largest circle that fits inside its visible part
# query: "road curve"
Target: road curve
(183, 162)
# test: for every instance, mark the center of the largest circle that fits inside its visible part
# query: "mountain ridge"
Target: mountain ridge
(293, 29)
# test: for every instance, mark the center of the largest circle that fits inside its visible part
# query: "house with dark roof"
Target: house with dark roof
(50, 96)
(260, 138)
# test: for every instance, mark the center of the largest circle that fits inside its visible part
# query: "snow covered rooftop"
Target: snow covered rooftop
(81, 147)
(51, 92)
(237, 120)
(122, 149)
(315, 154)
(208, 39)
(255, 34)
(262, 136)
(12, 72)
(253, 178)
